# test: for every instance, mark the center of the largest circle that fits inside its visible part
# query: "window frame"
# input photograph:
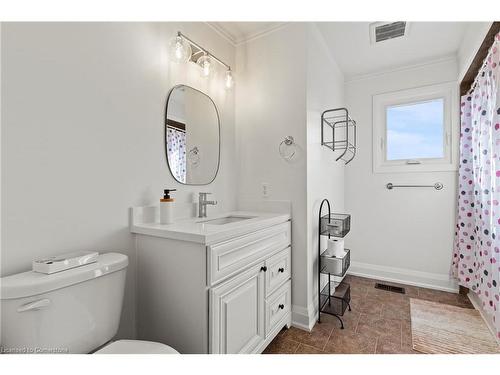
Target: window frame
(446, 91)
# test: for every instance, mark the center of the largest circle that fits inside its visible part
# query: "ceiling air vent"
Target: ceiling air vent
(380, 31)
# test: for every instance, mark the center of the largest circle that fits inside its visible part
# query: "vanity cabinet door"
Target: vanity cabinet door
(237, 313)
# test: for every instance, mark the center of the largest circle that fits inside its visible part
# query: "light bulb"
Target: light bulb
(179, 49)
(206, 68)
(206, 65)
(229, 79)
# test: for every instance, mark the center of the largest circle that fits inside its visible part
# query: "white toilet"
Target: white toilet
(73, 311)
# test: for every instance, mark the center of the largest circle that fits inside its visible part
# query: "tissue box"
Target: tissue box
(336, 225)
(64, 262)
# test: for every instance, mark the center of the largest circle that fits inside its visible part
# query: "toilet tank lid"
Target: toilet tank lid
(31, 283)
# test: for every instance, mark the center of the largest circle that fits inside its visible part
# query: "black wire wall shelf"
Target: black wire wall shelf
(342, 128)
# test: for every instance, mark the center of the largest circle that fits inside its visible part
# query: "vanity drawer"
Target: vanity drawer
(278, 305)
(229, 257)
(278, 270)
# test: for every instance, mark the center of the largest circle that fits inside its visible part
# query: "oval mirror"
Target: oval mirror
(192, 136)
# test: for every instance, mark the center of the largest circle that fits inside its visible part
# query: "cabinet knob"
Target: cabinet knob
(263, 268)
(281, 306)
(281, 270)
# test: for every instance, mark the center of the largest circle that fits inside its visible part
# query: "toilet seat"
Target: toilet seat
(136, 347)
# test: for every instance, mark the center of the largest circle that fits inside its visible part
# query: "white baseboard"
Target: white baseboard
(404, 276)
(476, 302)
(301, 318)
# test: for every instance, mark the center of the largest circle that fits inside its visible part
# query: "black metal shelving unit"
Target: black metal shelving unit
(334, 303)
(342, 130)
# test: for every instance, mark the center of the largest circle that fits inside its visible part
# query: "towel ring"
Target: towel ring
(287, 144)
(194, 156)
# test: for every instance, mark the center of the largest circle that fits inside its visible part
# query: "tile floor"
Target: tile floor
(378, 323)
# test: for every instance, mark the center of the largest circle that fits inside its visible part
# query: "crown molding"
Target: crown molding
(247, 38)
(362, 77)
(222, 32)
(262, 33)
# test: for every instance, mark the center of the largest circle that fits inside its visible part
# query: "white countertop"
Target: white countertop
(197, 230)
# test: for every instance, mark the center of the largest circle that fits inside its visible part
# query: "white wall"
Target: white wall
(400, 234)
(271, 104)
(325, 176)
(473, 38)
(286, 79)
(82, 136)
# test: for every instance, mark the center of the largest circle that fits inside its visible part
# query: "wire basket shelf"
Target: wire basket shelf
(338, 133)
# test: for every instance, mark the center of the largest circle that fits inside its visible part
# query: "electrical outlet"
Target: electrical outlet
(265, 189)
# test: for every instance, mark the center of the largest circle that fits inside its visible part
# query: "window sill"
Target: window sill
(405, 168)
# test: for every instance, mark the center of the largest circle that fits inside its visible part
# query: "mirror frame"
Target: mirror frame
(165, 134)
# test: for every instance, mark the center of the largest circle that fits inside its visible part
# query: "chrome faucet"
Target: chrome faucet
(202, 204)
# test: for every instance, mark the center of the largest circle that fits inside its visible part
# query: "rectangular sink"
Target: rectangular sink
(226, 220)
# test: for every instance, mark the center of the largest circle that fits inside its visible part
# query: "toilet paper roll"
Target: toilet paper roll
(336, 247)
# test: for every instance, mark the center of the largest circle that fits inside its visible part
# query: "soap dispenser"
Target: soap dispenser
(166, 207)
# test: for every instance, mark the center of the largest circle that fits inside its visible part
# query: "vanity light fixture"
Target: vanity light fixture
(180, 49)
(229, 79)
(183, 49)
(205, 63)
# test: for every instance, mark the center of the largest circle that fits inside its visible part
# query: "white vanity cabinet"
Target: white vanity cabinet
(237, 313)
(246, 309)
(220, 293)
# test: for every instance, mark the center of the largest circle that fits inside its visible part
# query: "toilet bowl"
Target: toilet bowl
(73, 311)
(136, 347)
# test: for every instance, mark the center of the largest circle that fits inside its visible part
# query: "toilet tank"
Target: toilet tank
(73, 311)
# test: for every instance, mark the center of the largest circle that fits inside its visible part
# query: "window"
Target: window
(413, 129)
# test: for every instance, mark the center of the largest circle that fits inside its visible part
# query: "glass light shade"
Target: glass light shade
(229, 79)
(206, 65)
(179, 49)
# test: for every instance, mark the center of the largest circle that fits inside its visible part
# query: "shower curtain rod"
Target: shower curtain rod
(468, 81)
(483, 65)
(474, 83)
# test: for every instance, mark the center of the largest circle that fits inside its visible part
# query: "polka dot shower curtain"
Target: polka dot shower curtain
(176, 144)
(476, 256)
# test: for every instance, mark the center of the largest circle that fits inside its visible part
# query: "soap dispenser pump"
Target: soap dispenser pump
(166, 207)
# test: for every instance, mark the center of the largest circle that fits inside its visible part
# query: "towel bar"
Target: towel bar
(437, 186)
